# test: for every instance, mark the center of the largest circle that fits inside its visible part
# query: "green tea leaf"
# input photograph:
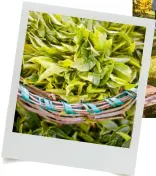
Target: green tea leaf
(126, 144)
(124, 135)
(91, 77)
(98, 39)
(123, 71)
(110, 125)
(86, 137)
(85, 127)
(55, 69)
(84, 64)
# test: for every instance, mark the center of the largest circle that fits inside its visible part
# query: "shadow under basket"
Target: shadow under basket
(52, 108)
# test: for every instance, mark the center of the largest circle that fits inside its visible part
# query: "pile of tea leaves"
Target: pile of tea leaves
(81, 59)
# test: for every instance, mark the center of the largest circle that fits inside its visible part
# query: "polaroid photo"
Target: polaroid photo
(147, 9)
(78, 88)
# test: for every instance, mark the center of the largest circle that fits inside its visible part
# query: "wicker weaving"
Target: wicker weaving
(53, 108)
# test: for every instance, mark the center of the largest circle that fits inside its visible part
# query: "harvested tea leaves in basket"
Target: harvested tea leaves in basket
(81, 57)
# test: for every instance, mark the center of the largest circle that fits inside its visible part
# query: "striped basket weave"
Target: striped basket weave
(51, 107)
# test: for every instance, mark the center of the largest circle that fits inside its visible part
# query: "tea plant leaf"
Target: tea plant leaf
(124, 135)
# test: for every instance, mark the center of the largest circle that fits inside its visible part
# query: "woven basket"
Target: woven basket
(51, 107)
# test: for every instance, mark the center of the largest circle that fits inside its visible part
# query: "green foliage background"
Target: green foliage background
(108, 132)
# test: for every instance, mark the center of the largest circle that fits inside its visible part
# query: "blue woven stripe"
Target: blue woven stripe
(48, 104)
(67, 108)
(112, 104)
(40, 101)
(116, 101)
(129, 93)
(25, 93)
(94, 107)
(52, 106)
(87, 108)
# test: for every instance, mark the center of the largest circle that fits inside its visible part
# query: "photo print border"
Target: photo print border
(72, 153)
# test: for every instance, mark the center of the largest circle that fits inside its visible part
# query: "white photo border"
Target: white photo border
(72, 153)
